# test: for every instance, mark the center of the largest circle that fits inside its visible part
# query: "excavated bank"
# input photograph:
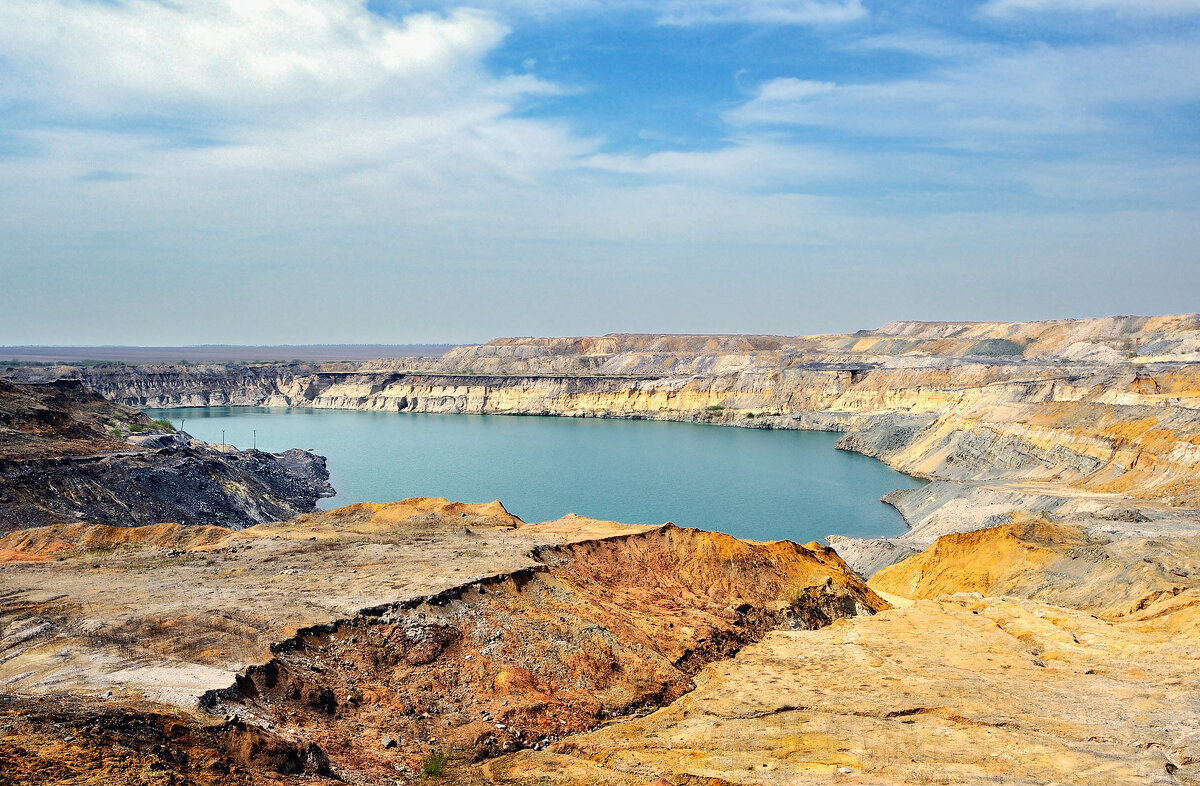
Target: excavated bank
(442, 626)
(1110, 576)
(68, 455)
(597, 630)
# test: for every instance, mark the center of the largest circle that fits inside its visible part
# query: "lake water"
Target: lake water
(752, 483)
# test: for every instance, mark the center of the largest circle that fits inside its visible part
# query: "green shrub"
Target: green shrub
(164, 425)
(714, 408)
(434, 765)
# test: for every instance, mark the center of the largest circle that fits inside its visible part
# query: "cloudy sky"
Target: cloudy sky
(294, 171)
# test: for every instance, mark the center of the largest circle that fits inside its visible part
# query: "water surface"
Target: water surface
(752, 483)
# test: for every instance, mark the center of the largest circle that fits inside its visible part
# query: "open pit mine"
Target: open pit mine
(173, 612)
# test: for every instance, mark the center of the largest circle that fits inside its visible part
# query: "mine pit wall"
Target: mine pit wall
(189, 485)
(598, 630)
(1045, 432)
(1113, 429)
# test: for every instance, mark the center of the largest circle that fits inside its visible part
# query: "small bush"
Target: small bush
(164, 425)
(434, 765)
(714, 408)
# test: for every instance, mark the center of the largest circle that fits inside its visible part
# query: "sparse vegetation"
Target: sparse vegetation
(797, 593)
(715, 408)
(433, 766)
(160, 425)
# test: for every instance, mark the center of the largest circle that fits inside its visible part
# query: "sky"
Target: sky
(343, 171)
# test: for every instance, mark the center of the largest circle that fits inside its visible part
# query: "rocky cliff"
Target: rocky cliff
(68, 454)
(1076, 418)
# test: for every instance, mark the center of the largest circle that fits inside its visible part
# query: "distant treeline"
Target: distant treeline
(218, 353)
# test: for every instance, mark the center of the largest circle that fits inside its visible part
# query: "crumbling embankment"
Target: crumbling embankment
(595, 630)
(552, 629)
(1032, 652)
(68, 454)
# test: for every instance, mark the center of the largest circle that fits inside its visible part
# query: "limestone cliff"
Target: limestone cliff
(1071, 417)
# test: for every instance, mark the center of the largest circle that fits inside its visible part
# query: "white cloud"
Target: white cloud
(284, 86)
(232, 55)
(998, 101)
(687, 13)
(1124, 7)
(750, 164)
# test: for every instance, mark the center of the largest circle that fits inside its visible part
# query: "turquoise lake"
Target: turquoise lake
(752, 483)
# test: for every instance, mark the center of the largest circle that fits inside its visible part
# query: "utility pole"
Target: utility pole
(222, 438)
(255, 443)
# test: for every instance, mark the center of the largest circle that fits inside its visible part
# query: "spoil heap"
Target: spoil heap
(69, 455)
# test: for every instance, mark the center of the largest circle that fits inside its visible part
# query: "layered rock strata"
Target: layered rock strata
(1076, 418)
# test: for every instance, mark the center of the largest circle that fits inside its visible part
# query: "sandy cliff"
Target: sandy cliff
(1078, 418)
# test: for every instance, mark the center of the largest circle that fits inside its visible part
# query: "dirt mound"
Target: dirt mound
(367, 516)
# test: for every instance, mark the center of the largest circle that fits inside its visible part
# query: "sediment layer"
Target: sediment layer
(1077, 418)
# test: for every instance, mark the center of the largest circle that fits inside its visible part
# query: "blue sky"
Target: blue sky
(295, 171)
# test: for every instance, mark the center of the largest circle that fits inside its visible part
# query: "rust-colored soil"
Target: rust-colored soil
(597, 630)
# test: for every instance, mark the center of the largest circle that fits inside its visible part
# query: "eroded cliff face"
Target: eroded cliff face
(67, 454)
(1073, 417)
(1034, 652)
(439, 626)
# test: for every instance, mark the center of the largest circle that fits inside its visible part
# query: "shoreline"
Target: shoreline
(714, 515)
